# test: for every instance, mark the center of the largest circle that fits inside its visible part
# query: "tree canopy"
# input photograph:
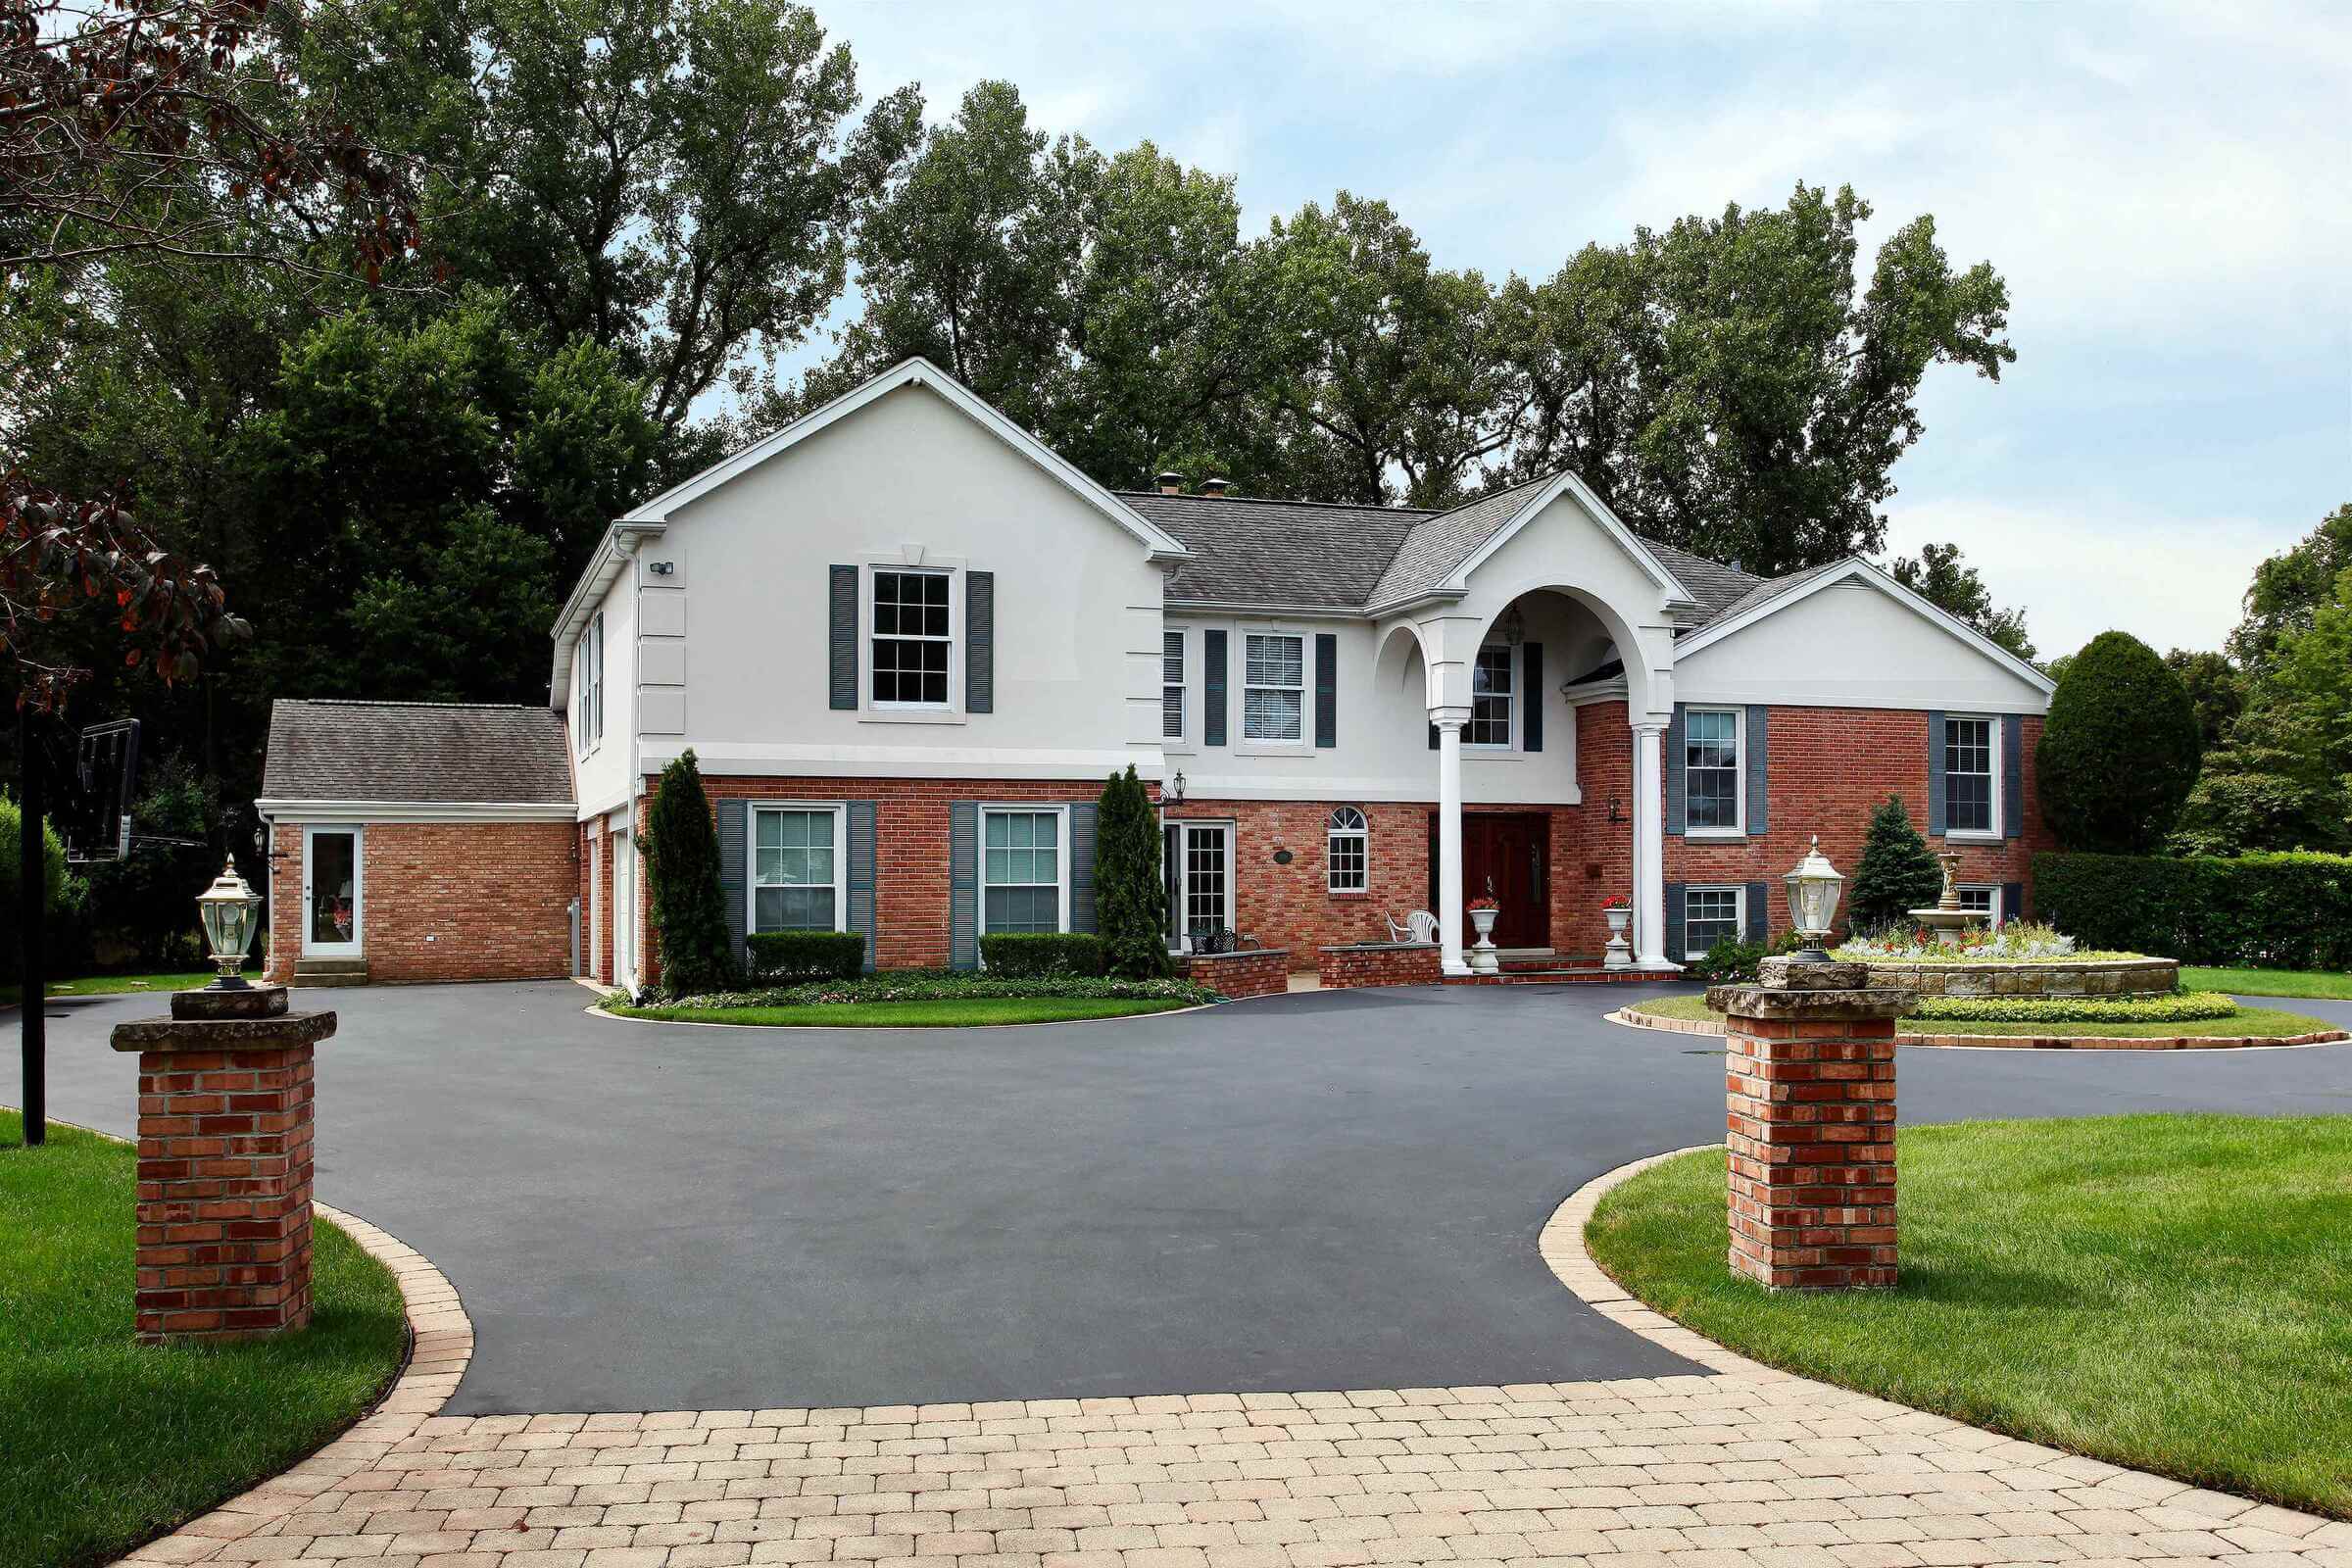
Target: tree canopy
(1937, 575)
(2119, 750)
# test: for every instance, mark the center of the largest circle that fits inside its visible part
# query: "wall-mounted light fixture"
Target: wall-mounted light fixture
(1172, 792)
(661, 569)
(1616, 810)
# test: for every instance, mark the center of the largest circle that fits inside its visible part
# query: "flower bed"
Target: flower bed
(2018, 960)
(2183, 1008)
(931, 986)
(2017, 941)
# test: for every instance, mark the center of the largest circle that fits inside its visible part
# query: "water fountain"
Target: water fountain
(1946, 918)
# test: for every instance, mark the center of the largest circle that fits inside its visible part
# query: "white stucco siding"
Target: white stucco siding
(910, 480)
(602, 775)
(1853, 645)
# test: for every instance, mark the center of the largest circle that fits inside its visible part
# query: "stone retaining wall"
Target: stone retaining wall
(1253, 972)
(1378, 963)
(2040, 977)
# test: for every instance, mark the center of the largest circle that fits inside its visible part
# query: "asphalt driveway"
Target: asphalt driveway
(1322, 1190)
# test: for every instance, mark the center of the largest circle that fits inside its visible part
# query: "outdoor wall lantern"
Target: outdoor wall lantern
(227, 908)
(1172, 793)
(1812, 902)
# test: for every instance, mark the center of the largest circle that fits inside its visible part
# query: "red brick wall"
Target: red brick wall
(1236, 975)
(445, 901)
(1603, 863)
(1414, 964)
(1829, 769)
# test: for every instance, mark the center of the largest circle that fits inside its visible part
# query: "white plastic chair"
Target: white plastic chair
(1418, 926)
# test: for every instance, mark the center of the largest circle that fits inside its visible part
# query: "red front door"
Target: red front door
(1506, 855)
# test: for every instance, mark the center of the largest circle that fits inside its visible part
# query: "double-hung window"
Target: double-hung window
(1171, 687)
(1273, 686)
(1968, 773)
(1711, 792)
(913, 639)
(1020, 870)
(1346, 840)
(1710, 915)
(1983, 900)
(595, 673)
(1492, 691)
(795, 866)
(588, 717)
(583, 705)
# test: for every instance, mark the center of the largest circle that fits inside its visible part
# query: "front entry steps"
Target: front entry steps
(1543, 966)
(318, 974)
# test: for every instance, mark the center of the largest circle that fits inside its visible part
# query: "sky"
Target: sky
(2168, 192)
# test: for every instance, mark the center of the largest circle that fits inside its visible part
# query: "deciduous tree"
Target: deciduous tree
(2118, 750)
(1938, 575)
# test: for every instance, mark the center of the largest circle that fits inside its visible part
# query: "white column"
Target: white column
(1449, 840)
(1650, 843)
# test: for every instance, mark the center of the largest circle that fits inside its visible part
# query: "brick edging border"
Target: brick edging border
(440, 1345)
(1632, 1018)
(1562, 1244)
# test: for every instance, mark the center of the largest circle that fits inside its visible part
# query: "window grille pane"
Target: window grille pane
(1171, 696)
(1489, 721)
(1276, 661)
(1024, 910)
(1709, 916)
(793, 910)
(1968, 776)
(1270, 715)
(1492, 673)
(1977, 898)
(1204, 881)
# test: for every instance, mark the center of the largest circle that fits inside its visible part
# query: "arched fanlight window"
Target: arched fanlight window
(1346, 844)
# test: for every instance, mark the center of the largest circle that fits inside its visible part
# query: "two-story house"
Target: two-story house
(906, 643)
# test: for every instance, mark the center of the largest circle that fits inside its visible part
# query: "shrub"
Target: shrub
(2276, 911)
(1725, 963)
(2119, 750)
(681, 864)
(1029, 954)
(1896, 873)
(801, 956)
(941, 985)
(2186, 1007)
(1131, 900)
(68, 897)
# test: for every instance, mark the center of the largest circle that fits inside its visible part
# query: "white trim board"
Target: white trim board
(917, 371)
(340, 812)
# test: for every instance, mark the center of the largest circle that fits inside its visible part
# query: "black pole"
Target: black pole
(32, 904)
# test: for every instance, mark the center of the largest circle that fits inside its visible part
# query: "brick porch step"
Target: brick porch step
(326, 973)
(1582, 975)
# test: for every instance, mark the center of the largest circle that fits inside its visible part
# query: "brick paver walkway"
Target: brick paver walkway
(1737, 1467)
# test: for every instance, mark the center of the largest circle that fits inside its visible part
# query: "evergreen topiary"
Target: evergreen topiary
(682, 864)
(1131, 901)
(1896, 874)
(2120, 750)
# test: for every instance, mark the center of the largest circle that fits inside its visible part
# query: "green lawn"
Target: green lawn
(2315, 984)
(2249, 1021)
(962, 1013)
(104, 1443)
(104, 985)
(2160, 1292)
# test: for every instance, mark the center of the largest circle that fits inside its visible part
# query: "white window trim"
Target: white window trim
(1180, 937)
(1061, 859)
(1237, 694)
(1993, 888)
(1738, 895)
(1738, 829)
(1494, 749)
(1193, 693)
(1994, 761)
(1362, 835)
(840, 811)
(950, 711)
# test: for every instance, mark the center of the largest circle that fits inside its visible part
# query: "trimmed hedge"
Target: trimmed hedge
(2188, 1006)
(806, 955)
(1028, 954)
(2258, 911)
(939, 984)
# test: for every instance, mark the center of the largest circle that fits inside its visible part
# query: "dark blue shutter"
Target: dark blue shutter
(1674, 921)
(2013, 900)
(1326, 696)
(1675, 758)
(964, 885)
(979, 642)
(1759, 789)
(1759, 911)
(1531, 676)
(1212, 688)
(1433, 737)
(1082, 866)
(734, 882)
(2013, 776)
(861, 874)
(843, 670)
(1936, 775)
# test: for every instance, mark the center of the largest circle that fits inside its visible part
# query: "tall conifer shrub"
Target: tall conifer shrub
(681, 862)
(1131, 900)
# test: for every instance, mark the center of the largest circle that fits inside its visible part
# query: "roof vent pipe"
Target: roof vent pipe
(1170, 484)
(1214, 487)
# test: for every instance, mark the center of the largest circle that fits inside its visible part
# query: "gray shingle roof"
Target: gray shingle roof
(436, 753)
(1766, 590)
(1320, 556)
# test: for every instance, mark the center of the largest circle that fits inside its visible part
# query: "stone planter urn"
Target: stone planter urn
(1617, 955)
(1481, 952)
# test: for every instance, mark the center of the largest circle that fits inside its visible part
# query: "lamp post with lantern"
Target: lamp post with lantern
(1813, 888)
(228, 909)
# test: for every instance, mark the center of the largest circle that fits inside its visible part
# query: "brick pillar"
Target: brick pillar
(224, 1164)
(1810, 1092)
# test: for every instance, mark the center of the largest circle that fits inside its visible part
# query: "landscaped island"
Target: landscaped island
(925, 1000)
(109, 1441)
(2158, 1292)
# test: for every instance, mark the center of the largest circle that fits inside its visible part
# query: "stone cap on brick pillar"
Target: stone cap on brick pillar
(279, 1033)
(1787, 989)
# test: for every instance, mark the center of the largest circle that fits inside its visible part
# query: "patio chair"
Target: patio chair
(1418, 926)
